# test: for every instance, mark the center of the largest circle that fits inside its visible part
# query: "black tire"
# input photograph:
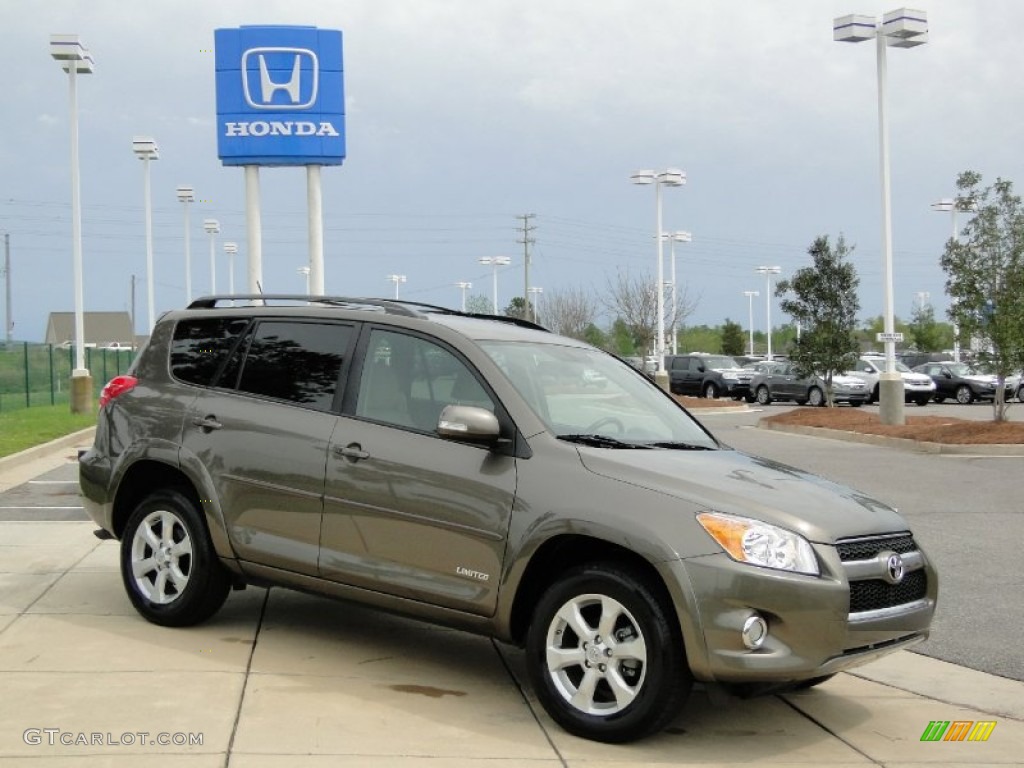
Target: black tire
(874, 395)
(923, 400)
(964, 395)
(939, 398)
(659, 685)
(764, 397)
(710, 390)
(1020, 395)
(815, 397)
(180, 581)
(856, 403)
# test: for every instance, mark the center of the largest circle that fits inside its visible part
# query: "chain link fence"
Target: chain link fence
(40, 374)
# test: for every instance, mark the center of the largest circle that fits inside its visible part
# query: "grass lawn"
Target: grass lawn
(31, 426)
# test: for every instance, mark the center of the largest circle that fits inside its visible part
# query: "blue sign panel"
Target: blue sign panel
(280, 96)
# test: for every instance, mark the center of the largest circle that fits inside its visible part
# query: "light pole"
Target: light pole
(212, 227)
(673, 238)
(495, 262)
(750, 316)
(145, 149)
(8, 313)
(187, 195)
(922, 299)
(75, 59)
(463, 286)
(535, 291)
(942, 206)
(305, 272)
(902, 28)
(230, 249)
(396, 279)
(768, 272)
(673, 177)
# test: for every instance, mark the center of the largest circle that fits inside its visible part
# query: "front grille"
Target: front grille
(865, 549)
(872, 594)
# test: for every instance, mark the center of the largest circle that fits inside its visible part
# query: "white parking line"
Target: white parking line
(23, 507)
(53, 482)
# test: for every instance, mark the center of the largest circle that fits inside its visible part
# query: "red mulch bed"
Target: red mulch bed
(696, 403)
(932, 429)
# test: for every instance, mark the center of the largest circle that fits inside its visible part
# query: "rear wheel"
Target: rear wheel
(815, 397)
(764, 397)
(964, 396)
(168, 566)
(874, 395)
(711, 390)
(939, 398)
(923, 400)
(605, 656)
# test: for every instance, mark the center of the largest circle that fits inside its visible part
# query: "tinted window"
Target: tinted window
(201, 345)
(296, 362)
(407, 381)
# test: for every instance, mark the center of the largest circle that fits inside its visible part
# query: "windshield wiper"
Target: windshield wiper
(600, 441)
(676, 446)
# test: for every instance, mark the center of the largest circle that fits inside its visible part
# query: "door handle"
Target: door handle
(352, 452)
(207, 424)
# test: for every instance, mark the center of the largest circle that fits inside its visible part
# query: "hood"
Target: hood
(916, 378)
(846, 381)
(983, 378)
(733, 482)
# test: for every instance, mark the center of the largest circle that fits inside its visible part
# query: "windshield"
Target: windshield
(718, 363)
(962, 369)
(582, 391)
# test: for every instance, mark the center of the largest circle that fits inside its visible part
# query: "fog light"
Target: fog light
(755, 632)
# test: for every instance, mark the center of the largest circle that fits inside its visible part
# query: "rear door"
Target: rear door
(407, 512)
(263, 434)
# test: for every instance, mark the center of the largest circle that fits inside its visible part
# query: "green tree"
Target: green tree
(732, 338)
(595, 336)
(519, 307)
(479, 305)
(985, 277)
(700, 338)
(823, 299)
(926, 335)
(621, 340)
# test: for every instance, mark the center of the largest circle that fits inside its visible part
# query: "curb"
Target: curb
(916, 446)
(38, 451)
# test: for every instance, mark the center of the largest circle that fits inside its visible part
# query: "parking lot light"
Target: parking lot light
(750, 316)
(495, 262)
(463, 286)
(768, 272)
(145, 149)
(186, 195)
(212, 228)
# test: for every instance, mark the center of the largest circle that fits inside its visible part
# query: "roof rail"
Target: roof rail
(391, 306)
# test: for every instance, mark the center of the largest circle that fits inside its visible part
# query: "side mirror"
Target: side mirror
(468, 422)
(946, 372)
(701, 369)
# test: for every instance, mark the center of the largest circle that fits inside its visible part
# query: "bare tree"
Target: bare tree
(633, 298)
(569, 312)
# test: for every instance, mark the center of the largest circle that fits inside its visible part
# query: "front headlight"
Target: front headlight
(751, 541)
(730, 376)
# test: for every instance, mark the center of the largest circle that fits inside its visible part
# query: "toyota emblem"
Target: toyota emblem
(895, 567)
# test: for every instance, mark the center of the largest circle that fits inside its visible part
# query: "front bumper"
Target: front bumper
(811, 629)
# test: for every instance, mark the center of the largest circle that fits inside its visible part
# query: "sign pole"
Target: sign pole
(254, 228)
(314, 202)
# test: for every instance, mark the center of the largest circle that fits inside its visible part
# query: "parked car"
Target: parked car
(707, 376)
(917, 387)
(959, 381)
(416, 459)
(913, 359)
(779, 381)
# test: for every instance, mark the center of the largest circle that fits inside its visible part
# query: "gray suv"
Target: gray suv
(428, 462)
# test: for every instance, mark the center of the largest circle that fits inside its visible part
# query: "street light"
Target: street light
(942, 206)
(145, 149)
(464, 286)
(187, 195)
(768, 272)
(212, 227)
(673, 238)
(673, 177)
(396, 279)
(902, 28)
(536, 291)
(305, 271)
(75, 59)
(230, 249)
(750, 316)
(495, 262)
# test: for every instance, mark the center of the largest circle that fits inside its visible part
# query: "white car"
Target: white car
(917, 387)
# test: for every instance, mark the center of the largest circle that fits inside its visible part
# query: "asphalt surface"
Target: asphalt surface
(967, 513)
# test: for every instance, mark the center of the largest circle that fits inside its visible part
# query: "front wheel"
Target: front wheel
(605, 655)
(168, 566)
(711, 390)
(964, 396)
(923, 400)
(764, 397)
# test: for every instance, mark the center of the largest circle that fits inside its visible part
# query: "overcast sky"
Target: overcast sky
(463, 114)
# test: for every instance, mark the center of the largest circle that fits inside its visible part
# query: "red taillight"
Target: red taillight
(117, 386)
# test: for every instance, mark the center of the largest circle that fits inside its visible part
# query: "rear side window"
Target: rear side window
(296, 362)
(200, 346)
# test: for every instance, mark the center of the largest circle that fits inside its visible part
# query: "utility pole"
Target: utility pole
(133, 312)
(8, 321)
(527, 241)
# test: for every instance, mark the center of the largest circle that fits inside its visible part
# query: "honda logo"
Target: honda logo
(280, 78)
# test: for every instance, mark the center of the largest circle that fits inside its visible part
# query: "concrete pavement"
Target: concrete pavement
(283, 679)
